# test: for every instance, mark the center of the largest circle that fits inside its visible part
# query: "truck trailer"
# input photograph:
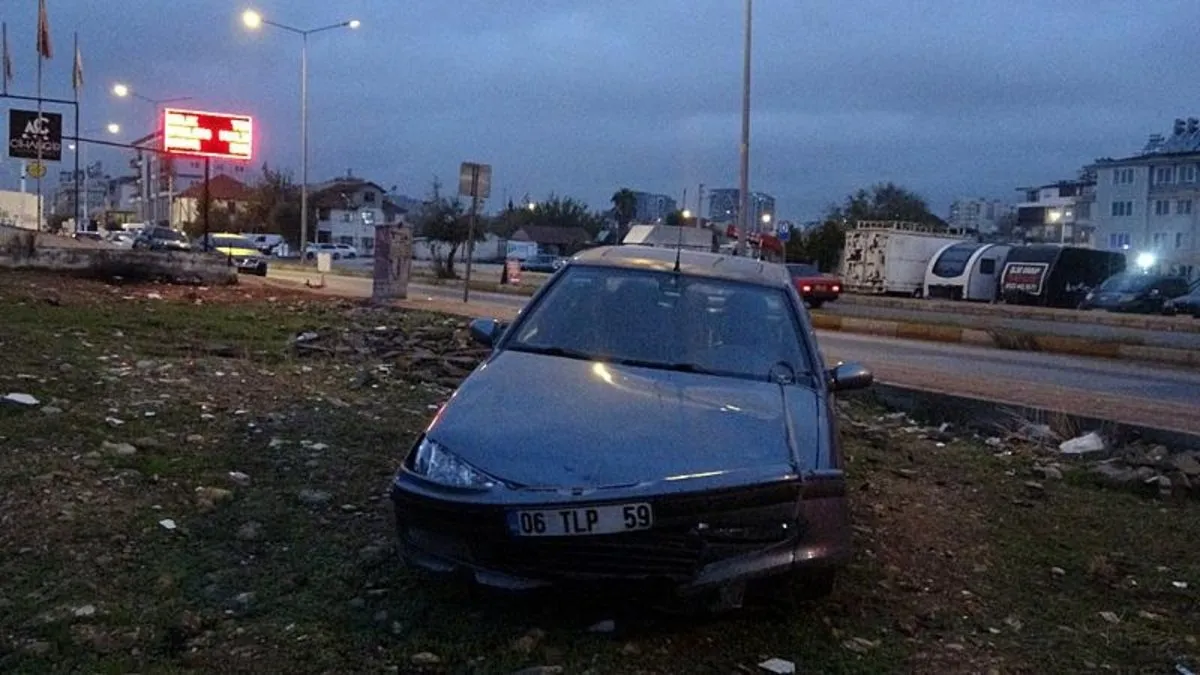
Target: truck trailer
(890, 257)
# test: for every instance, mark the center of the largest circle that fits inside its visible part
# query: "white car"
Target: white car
(347, 250)
(335, 251)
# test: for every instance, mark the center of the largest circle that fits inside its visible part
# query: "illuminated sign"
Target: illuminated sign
(207, 134)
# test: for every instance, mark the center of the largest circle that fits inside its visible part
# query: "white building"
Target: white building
(1056, 213)
(348, 209)
(1146, 204)
(978, 214)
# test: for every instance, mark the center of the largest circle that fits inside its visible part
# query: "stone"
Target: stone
(358, 603)
(314, 497)
(778, 666)
(1088, 443)
(1114, 475)
(606, 626)
(1187, 464)
(1049, 472)
(119, 449)
(194, 438)
(239, 478)
(51, 410)
(213, 495)
(529, 641)
(1110, 617)
(249, 531)
(425, 659)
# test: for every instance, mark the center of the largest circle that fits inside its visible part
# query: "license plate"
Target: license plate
(820, 287)
(581, 521)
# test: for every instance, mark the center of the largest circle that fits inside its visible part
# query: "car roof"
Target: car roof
(692, 263)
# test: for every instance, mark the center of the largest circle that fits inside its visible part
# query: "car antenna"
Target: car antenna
(678, 248)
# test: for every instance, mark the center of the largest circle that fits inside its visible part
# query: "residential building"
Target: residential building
(92, 191)
(160, 177)
(554, 240)
(723, 208)
(224, 192)
(977, 214)
(653, 208)
(348, 209)
(1147, 204)
(1056, 213)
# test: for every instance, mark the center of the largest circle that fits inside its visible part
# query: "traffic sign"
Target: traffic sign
(475, 180)
(784, 231)
(36, 169)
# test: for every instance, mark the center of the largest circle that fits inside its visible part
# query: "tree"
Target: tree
(885, 201)
(554, 211)
(275, 205)
(677, 218)
(624, 203)
(445, 224)
(821, 246)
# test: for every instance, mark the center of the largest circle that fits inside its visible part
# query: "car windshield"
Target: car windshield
(232, 242)
(668, 321)
(803, 270)
(172, 235)
(1127, 283)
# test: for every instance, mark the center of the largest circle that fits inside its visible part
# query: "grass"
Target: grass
(960, 565)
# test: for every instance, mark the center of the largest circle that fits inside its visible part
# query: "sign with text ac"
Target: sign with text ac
(207, 134)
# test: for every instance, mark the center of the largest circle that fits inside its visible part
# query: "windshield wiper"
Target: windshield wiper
(659, 365)
(554, 351)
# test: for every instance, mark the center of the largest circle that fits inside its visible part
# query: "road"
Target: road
(1103, 388)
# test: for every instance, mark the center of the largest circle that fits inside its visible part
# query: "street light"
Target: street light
(122, 90)
(82, 202)
(254, 20)
(744, 182)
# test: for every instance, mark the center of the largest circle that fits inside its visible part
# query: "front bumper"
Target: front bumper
(690, 549)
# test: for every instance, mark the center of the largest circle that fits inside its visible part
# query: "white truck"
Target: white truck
(890, 257)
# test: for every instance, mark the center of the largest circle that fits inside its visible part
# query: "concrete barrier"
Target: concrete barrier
(172, 267)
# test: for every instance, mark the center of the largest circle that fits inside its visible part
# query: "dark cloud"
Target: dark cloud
(580, 96)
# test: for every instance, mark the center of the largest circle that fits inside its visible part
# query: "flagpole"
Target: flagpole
(81, 212)
(38, 178)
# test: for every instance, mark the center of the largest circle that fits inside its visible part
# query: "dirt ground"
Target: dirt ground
(193, 492)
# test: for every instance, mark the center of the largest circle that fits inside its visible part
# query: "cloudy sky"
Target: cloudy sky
(579, 97)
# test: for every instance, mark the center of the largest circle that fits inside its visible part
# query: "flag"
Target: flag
(8, 74)
(43, 37)
(77, 72)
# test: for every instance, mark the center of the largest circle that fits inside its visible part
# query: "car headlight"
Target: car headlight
(436, 464)
(1090, 295)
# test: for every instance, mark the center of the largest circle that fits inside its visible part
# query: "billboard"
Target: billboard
(207, 134)
(29, 130)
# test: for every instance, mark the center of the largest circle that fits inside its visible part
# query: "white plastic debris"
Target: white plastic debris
(20, 399)
(1089, 442)
(114, 421)
(778, 666)
(168, 523)
(239, 478)
(1179, 584)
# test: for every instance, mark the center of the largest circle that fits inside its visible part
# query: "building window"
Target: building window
(1159, 239)
(1164, 175)
(1120, 209)
(1178, 240)
(368, 196)
(323, 214)
(1122, 176)
(1118, 240)
(1183, 206)
(1162, 207)
(346, 219)
(1187, 173)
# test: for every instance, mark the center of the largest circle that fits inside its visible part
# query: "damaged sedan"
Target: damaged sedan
(652, 416)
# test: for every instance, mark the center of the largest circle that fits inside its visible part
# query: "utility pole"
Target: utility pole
(744, 182)
(700, 205)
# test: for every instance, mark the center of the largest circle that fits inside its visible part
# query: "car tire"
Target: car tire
(261, 270)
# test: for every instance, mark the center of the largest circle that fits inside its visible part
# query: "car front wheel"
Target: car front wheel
(261, 270)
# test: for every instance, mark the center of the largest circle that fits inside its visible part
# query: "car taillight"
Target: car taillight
(836, 288)
(806, 288)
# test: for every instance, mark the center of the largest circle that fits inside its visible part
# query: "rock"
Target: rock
(145, 364)
(373, 554)
(1187, 464)
(314, 497)
(148, 443)
(38, 648)
(540, 670)
(1114, 475)
(51, 410)
(529, 641)
(1110, 617)
(380, 616)
(425, 659)
(194, 439)
(1164, 486)
(212, 495)
(84, 611)
(606, 626)
(993, 442)
(1058, 571)
(119, 449)
(630, 649)
(244, 600)
(1150, 615)
(358, 603)
(1049, 472)
(250, 531)
(1087, 443)
(168, 524)
(1035, 486)
(239, 478)
(778, 666)
(17, 398)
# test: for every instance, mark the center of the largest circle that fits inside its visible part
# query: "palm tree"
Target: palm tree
(624, 208)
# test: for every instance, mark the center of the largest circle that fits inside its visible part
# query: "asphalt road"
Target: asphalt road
(1077, 377)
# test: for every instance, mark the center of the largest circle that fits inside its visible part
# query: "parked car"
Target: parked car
(347, 250)
(1136, 292)
(120, 239)
(543, 262)
(240, 250)
(268, 244)
(1184, 304)
(158, 238)
(641, 421)
(311, 251)
(816, 288)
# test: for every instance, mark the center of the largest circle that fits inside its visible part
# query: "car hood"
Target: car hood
(546, 421)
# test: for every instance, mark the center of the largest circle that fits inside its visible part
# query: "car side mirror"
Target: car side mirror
(485, 331)
(849, 376)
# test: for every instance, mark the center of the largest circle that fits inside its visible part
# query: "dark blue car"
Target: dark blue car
(644, 419)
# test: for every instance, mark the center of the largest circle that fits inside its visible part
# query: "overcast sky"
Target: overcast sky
(579, 97)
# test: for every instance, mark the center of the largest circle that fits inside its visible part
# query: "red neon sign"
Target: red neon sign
(207, 134)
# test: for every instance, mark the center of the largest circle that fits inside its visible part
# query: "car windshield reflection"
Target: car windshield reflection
(665, 321)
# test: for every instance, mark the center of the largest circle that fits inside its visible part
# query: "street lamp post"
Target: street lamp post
(744, 183)
(81, 201)
(254, 20)
(121, 90)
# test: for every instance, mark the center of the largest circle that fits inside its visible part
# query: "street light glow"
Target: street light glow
(687, 213)
(354, 23)
(113, 128)
(251, 19)
(766, 218)
(120, 90)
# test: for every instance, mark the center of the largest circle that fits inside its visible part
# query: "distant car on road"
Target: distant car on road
(335, 251)
(543, 262)
(238, 248)
(158, 238)
(641, 423)
(816, 288)
(1135, 292)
